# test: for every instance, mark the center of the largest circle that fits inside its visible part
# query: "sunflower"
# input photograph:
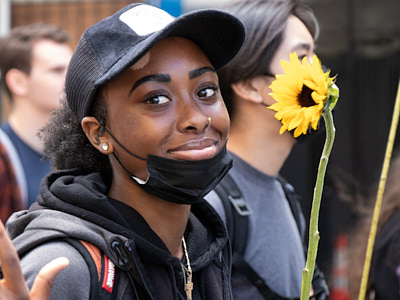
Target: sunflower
(301, 94)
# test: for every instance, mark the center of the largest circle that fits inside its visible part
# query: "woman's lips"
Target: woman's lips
(195, 150)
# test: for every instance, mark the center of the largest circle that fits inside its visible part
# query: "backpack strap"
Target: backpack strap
(293, 201)
(241, 265)
(103, 273)
(237, 222)
(237, 212)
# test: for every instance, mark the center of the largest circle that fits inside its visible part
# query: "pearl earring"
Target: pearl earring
(104, 146)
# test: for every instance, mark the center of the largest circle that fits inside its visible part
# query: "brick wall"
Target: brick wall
(74, 16)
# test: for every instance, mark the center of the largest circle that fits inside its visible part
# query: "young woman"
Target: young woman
(138, 144)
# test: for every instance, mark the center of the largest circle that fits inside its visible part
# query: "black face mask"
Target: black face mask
(181, 181)
(185, 181)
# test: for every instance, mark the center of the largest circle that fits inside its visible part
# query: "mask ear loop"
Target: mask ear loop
(103, 127)
(122, 146)
(268, 74)
(265, 104)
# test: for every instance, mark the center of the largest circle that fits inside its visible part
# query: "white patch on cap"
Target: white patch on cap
(141, 63)
(145, 19)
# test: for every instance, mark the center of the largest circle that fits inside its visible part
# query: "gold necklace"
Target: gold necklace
(188, 276)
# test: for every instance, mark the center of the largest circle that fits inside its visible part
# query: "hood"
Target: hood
(74, 204)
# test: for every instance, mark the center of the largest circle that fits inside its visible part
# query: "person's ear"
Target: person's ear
(97, 135)
(17, 82)
(248, 89)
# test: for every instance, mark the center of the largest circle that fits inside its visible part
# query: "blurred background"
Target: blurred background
(359, 41)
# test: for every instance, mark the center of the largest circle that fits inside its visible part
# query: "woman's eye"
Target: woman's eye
(301, 57)
(160, 99)
(309, 56)
(207, 92)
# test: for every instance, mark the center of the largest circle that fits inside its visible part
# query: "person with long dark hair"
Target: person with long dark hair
(268, 256)
(384, 276)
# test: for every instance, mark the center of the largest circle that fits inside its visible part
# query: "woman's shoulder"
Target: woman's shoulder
(73, 281)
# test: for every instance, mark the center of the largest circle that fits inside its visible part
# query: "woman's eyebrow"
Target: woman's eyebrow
(302, 46)
(155, 77)
(200, 71)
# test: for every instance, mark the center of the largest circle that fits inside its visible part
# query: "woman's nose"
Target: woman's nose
(192, 118)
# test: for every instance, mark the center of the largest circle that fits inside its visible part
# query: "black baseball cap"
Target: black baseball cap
(112, 45)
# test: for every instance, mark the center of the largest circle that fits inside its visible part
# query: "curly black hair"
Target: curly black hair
(66, 144)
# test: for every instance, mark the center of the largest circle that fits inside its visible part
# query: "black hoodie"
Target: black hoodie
(75, 205)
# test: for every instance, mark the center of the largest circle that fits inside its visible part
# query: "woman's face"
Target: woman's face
(296, 38)
(163, 104)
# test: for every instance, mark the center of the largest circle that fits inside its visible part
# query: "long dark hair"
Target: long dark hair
(359, 236)
(265, 22)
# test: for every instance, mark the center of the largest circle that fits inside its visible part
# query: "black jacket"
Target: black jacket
(75, 205)
(385, 264)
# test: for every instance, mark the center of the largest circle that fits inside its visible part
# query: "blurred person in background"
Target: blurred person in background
(384, 275)
(33, 64)
(268, 253)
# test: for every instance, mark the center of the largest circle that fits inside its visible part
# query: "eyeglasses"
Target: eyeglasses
(324, 69)
(268, 74)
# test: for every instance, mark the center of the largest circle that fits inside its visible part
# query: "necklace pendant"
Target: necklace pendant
(188, 276)
(189, 289)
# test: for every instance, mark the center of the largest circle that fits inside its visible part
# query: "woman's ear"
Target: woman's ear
(249, 89)
(17, 82)
(96, 135)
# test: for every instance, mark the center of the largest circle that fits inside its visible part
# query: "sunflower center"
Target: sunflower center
(304, 98)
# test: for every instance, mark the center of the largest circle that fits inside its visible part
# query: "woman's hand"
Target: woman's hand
(13, 285)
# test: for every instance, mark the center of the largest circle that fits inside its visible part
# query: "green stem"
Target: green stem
(313, 241)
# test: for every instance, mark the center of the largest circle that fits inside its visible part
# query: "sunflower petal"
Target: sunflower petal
(287, 91)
